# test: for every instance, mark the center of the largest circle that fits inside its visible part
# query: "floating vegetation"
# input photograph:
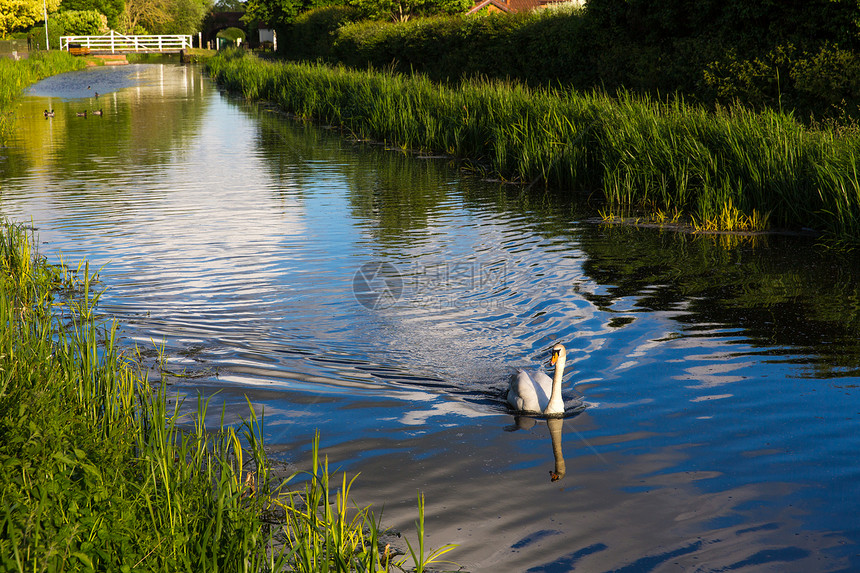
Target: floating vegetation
(730, 169)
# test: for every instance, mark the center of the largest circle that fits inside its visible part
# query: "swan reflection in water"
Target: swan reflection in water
(532, 393)
(555, 426)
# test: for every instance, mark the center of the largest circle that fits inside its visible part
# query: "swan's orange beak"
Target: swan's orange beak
(554, 359)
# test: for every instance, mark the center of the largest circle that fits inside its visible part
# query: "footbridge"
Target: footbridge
(115, 43)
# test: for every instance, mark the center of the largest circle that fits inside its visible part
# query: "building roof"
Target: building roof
(493, 5)
(512, 5)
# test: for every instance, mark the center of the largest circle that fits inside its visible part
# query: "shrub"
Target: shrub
(82, 22)
(312, 34)
(613, 45)
(822, 83)
(55, 30)
(232, 34)
(828, 82)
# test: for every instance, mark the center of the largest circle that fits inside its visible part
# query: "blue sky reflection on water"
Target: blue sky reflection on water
(721, 378)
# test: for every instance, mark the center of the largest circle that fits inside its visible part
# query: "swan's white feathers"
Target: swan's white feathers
(533, 393)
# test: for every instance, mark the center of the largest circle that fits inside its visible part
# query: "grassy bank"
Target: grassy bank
(15, 76)
(189, 56)
(97, 473)
(734, 170)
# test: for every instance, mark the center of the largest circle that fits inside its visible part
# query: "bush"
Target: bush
(82, 22)
(828, 82)
(55, 30)
(232, 34)
(444, 47)
(611, 45)
(823, 83)
(313, 32)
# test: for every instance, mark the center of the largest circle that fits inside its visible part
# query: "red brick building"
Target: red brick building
(513, 5)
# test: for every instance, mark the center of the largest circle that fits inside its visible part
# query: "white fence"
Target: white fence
(114, 42)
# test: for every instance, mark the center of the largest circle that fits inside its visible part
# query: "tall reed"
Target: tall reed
(731, 167)
(98, 473)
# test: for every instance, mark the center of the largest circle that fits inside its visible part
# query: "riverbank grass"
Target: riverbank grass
(15, 76)
(729, 169)
(97, 472)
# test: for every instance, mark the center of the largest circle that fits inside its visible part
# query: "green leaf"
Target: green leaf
(84, 559)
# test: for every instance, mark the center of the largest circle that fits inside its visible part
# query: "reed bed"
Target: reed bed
(15, 76)
(98, 473)
(732, 169)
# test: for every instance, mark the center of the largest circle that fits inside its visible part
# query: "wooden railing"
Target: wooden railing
(114, 42)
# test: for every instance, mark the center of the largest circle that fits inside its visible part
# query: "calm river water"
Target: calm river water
(384, 299)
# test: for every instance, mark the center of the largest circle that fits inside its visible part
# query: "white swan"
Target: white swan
(539, 394)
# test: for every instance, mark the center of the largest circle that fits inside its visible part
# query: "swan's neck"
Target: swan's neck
(556, 405)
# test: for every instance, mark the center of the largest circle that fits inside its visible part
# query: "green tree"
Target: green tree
(82, 22)
(279, 13)
(21, 14)
(232, 35)
(113, 9)
(141, 15)
(184, 17)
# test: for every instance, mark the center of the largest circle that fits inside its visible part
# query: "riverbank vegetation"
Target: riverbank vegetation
(15, 76)
(97, 472)
(97, 17)
(731, 169)
(793, 58)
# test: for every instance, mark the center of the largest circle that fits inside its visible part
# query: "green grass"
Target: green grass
(15, 76)
(197, 55)
(98, 473)
(730, 169)
(193, 55)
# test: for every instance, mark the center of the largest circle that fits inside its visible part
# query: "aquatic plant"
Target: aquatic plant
(97, 472)
(730, 167)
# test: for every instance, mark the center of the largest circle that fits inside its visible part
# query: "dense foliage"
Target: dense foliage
(82, 22)
(68, 23)
(810, 66)
(279, 13)
(283, 13)
(112, 9)
(312, 35)
(233, 35)
(183, 17)
(21, 14)
(403, 10)
(93, 17)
